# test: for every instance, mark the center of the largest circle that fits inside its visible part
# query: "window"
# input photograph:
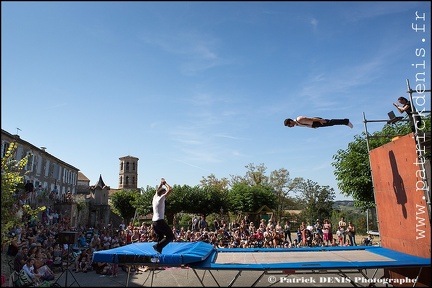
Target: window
(39, 164)
(47, 168)
(4, 148)
(30, 162)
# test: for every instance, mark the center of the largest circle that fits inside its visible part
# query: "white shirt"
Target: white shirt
(29, 270)
(158, 207)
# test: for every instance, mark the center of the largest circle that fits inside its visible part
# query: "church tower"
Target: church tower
(128, 176)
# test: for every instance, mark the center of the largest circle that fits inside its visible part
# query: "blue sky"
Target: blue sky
(200, 88)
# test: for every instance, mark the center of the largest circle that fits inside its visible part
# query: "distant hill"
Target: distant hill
(348, 203)
(345, 205)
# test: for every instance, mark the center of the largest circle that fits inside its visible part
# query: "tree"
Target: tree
(212, 181)
(12, 187)
(245, 198)
(283, 185)
(143, 202)
(318, 200)
(122, 203)
(255, 175)
(352, 171)
(352, 165)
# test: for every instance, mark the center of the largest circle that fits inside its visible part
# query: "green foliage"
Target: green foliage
(352, 165)
(318, 201)
(122, 202)
(352, 171)
(212, 181)
(283, 185)
(81, 205)
(245, 198)
(143, 203)
(12, 184)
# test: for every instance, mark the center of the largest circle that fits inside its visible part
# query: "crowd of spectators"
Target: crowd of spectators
(38, 239)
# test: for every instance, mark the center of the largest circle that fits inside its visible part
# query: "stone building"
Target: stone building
(42, 168)
(128, 174)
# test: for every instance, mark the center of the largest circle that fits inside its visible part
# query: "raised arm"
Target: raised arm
(168, 187)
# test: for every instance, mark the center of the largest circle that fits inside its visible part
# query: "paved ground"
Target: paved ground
(184, 277)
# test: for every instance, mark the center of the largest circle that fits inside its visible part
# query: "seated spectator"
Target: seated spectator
(30, 271)
(20, 258)
(15, 245)
(82, 263)
(102, 268)
(334, 242)
(367, 241)
(82, 241)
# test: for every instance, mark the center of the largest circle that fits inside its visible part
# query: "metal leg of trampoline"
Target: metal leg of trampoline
(199, 279)
(235, 278)
(148, 275)
(214, 278)
(127, 279)
(418, 275)
(259, 278)
(152, 276)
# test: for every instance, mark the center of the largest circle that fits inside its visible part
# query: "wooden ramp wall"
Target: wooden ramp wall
(401, 206)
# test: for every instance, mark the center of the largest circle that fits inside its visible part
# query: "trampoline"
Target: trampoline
(203, 256)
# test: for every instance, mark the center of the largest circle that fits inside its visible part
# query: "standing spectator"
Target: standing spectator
(303, 234)
(39, 192)
(123, 225)
(299, 236)
(287, 231)
(195, 223)
(29, 189)
(216, 224)
(342, 228)
(318, 227)
(202, 224)
(327, 232)
(351, 233)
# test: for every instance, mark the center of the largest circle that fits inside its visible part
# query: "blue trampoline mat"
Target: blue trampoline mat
(201, 255)
(174, 254)
(352, 257)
